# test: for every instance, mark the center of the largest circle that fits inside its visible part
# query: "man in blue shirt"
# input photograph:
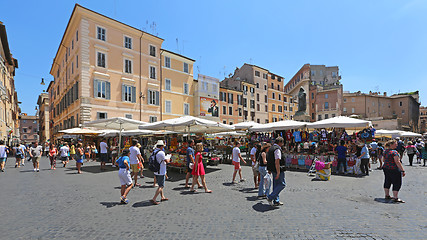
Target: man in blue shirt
(190, 159)
(341, 150)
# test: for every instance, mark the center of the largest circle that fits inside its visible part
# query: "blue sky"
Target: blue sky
(378, 45)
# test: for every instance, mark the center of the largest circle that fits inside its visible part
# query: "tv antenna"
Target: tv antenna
(177, 45)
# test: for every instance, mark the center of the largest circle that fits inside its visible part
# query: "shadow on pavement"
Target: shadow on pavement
(248, 190)
(252, 198)
(109, 204)
(259, 207)
(383, 200)
(229, 184)
(97, 169)
(142, 204)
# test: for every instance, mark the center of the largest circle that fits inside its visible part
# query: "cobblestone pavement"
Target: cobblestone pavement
(60, 204)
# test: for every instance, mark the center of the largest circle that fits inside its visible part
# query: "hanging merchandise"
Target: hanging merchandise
(323, 135)
(297, 136)
(304, 136)
(289, 136)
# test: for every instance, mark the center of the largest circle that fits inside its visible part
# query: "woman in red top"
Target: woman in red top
(198, 169)
(53, 152)
(393, 171)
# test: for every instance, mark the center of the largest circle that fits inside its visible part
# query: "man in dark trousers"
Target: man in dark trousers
(276, 166)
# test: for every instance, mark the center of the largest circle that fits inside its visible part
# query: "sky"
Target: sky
(378, 45)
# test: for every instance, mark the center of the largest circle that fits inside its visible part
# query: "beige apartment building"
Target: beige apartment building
(28, 128)
(230, 106)
(104, 68)
(9, 109)
(398, 111)
(43, 120)
(177, 85)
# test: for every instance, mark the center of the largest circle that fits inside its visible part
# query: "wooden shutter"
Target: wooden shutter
(133, 94)
(107, 91)
(95, 88)
(123, 92)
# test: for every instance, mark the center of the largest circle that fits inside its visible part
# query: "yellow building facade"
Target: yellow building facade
(177, 85)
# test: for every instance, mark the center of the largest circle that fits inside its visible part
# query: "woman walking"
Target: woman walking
(94, 151)
(262, 161)
(79, 157)
(3, 155)
(124, 176)
(87, 152)
(411, 150)
(19, 154)
(53, 152)
(393, 171)
(198, 169)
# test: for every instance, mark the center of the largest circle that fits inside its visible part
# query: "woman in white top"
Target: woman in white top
(236, 162)
(3, 154)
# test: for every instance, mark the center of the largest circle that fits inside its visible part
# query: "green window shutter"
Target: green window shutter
(77, 90)
(157, 98)
(95, 88)
(123, 92)
(107, 91)
(133, 94)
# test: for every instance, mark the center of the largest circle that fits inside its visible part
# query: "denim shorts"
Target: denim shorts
(160, 179)
(2, 159)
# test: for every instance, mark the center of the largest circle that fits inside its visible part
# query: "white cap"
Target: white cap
(160, 143)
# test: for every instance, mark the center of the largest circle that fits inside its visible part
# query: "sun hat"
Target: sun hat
(160, 143)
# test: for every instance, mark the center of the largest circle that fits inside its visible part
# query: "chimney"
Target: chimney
(370, 92)
(385, 94)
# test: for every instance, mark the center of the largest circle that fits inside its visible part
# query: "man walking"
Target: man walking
(276, 165)
(160, 175)
(190, 159)
(134, 158)
(103, 149)
(64, 150)
(35, 154)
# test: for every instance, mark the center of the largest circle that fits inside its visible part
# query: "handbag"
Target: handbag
(191, 165)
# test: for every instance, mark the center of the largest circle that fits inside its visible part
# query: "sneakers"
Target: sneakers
(2, 170)
(113, 165)
(242, 180)
(34, 170)
(38, 170)
(278, 203)
(22, 164)
(270, 202)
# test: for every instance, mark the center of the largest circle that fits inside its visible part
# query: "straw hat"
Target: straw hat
(160, 143)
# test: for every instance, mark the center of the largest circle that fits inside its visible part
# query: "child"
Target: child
(124, 176)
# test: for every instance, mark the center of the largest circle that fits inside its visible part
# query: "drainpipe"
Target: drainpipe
(140, 79)
(161, 91)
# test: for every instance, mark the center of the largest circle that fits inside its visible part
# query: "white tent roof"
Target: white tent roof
(80, 131)
(229, 134)
(136, 132)
(340, 122)
(410, 134)
(281, 125)
(188, 124)
(118, 123)
(245, 125)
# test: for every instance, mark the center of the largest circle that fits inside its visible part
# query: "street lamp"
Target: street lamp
(42, 83)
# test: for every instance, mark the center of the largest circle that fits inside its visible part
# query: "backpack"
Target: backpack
(153, 164)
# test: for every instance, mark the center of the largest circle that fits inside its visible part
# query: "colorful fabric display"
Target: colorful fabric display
(319, 165)
(294, 160)
(324, 174)
(301, 160)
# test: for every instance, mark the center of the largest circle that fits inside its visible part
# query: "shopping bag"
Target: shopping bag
(268, 179)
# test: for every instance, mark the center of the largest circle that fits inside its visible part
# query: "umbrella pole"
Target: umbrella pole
(120, 139)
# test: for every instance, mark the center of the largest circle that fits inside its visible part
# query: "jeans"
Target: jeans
(344, 163)
(364, 166)
(278, 185)
(261, 190)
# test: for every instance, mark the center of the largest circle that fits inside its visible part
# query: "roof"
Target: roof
(27, 117)
(5, 43)
(80, 6)
(265, 70)
(178, 55)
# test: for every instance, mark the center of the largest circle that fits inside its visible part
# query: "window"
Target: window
(72, 68)
(313, 73)
(326, 116)
(273, 76)
(128, 66)
(266, 108)
(100, 59)
(153, 119)
(352, 99)
(167, 62)
(128, 116)
(257, 73)
(214, 87)
(128, 93)
(77, 61)
(240, 112)
(400, 104)
(326, 105)
(230, 110)
(186, 90)
(285, 108)
(245, 102)
(101, 33)
(72, 44)
(257, 85)
(258, 107)
(253, 104)
(167, 84)
(403, 112)
(257, 97)
(319, 117)
(266, 120)
(273, 107)
(326, 96)
(152, 50)
(186, 109)
(239, 100)
(285, 99)
(265, 98)
(278, 87)
(333, 115)
(101, 115)
(223, 96)
(334, 74)
(224, 122)
(101, 89)
(279, 108)
(273, 95)
(186, 67)
(224, 110)
(280, 97)
(24, 130)
(290, 109)
(153, 97)
(128, 42)
(265, 86)
(252, 90)
(272, 85)
(345, 100)
(352, 110)
(205, 86)
(77, 36)
(344, 109)
(230, 98)
(152, 72)
(312, 95)
(168, 106)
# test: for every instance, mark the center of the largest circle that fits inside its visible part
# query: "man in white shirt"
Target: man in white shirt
(24, 154)
(236, 162)
(254, 163)
(160, 175)
(135, 158)
(103, 150)
(63, 151)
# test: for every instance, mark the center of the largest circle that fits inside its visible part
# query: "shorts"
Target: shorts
(124, 176)
(2, 159)
(19, 156)
(64, 159)
(79, 161)
(236, 165)
(160, 180)
(104, 157)
(255, 170)
(135, 168)
(36, 159)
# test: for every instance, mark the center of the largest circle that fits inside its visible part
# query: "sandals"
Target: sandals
(154, 202)
(164, 199)
(388, 197)
(398, 200)
(193, 191)
(208, 191)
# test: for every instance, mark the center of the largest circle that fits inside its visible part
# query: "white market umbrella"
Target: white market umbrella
(387, 133)
(277, 126)
(340, 122)
(188, 124)
(410, 134)
(229, 134)
(118, 123)
(245, 125)
(80, 131)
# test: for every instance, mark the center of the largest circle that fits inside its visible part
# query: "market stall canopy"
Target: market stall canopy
(80, 131)
(229, 134)
(245, 125)
(118, 123)
(277, 126)
(340, 122)
(387, 133)
(188, 124)
(410, 134)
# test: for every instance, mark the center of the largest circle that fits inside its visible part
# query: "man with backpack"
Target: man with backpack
(157, 164)
(276, 166)
(400, 147)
